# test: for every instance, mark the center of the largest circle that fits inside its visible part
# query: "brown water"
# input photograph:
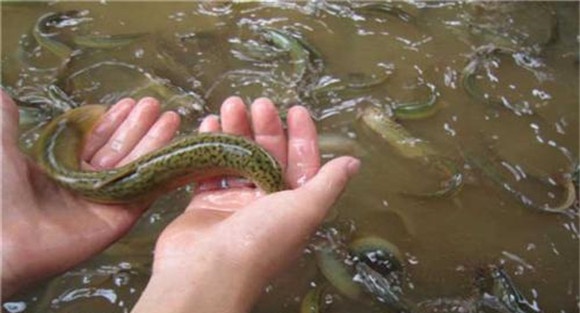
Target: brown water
(197, 51)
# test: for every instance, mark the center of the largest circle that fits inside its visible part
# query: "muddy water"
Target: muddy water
(526, 114)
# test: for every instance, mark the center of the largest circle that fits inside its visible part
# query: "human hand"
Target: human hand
(221, 252)
(45, 229)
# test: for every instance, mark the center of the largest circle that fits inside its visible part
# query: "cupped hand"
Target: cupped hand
(45, 229)
(229, 242)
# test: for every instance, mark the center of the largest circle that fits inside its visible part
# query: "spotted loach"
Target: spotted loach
(188, 159)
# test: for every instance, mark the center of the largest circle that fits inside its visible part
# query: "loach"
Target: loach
(414, 148)
(191, 158)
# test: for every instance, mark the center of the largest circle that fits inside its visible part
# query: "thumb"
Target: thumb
(327, 185)
(9, 119)
(287, 218)
(300, 211)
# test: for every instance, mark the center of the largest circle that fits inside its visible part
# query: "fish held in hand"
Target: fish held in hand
(191, 158)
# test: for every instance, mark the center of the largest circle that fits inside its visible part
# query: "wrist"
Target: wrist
(198, 288)
(13, 279)
(9, 287)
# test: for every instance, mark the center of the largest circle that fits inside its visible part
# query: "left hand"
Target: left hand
(46, 229)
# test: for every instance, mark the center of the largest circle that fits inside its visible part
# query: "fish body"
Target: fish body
(410, 147)
(369, 270)
(395, 135)
(195, 157)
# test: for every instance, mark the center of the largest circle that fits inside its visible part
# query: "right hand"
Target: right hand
(222, 251)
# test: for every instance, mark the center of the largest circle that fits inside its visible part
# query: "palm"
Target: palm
(50, 221)
(208, 212)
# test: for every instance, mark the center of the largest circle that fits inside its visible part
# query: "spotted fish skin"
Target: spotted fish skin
(191, 158)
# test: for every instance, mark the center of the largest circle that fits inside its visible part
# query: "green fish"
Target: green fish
(191, 158)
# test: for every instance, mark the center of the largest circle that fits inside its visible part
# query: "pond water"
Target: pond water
(490, 88)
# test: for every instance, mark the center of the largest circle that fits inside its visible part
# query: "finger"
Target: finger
(107, 125)
(234, 117)
(268, 129)
(325, 187)
(234, 120)
(9, 119)
(303, 153)
(210, 124)
(129, 133)
(161, 133)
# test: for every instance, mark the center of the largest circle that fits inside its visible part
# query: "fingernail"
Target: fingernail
(353, 166)
(230, 104)
(146, 101)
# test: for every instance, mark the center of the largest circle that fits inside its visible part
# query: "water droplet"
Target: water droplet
(139, 53)
(449, 130)
(121, 279)
(15, 307)
(413, 260)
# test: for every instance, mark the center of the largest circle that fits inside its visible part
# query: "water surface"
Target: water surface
(194, 55)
